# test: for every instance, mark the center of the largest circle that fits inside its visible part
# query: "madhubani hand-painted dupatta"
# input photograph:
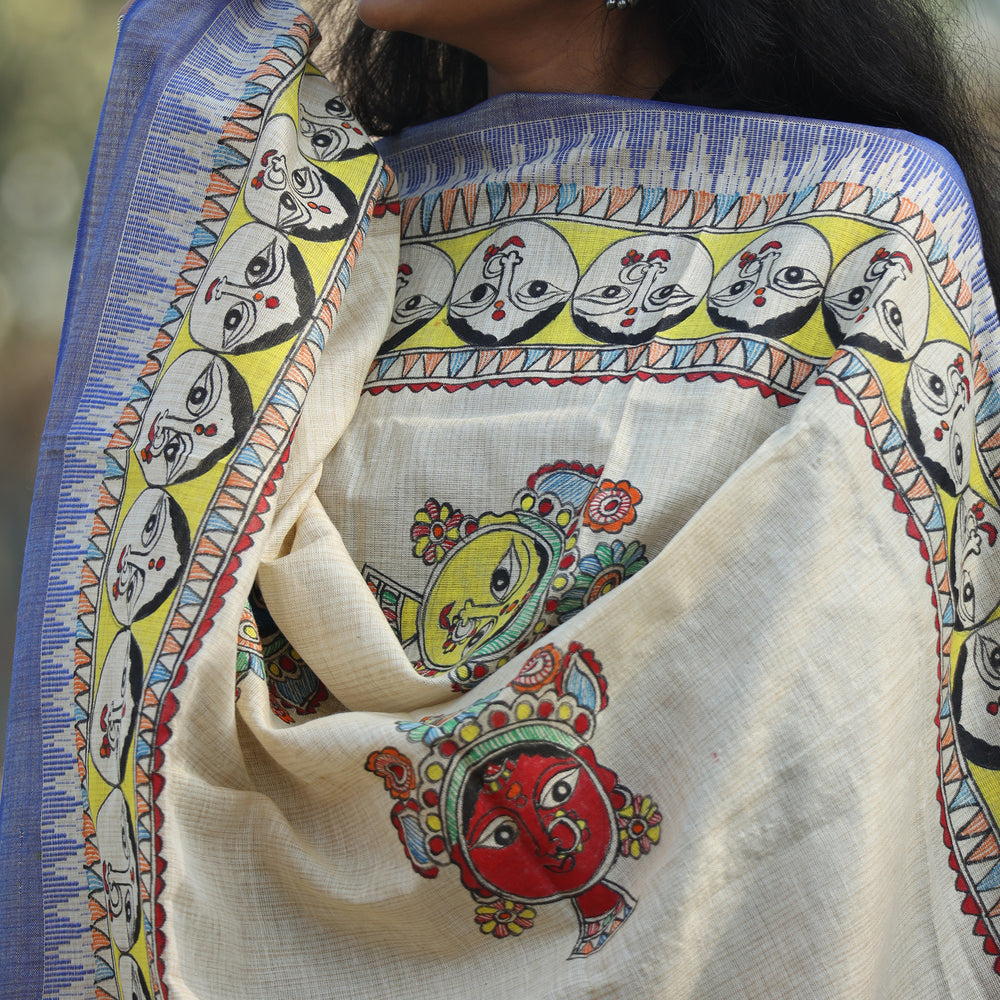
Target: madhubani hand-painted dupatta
(563, 563)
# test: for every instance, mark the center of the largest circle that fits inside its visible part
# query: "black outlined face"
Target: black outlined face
(119, 868)
(292, 194)
(424, 278)
(773, 285)
(514, 282)
(878, 298)
(256, 292)
(201, 406)
(937, 409)
(641, 285)
(328, 129)
(149, 552)
(114, 709)
(975, 699)
(975, 560)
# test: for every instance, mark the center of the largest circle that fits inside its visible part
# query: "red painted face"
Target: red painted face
(541, 826)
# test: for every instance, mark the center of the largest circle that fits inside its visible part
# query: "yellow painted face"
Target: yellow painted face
(479, 589)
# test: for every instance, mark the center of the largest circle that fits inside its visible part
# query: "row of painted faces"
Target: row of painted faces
(201, 407)
(520, 275)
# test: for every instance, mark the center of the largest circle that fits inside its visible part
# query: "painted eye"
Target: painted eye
(506, 575)
(892, 314)
(986, 656)
(969, 595)
(667, 295)
(536, 294)
(476, 300)
(154, 524)
(930, 388)
(559, 788)
(307, 182)
(500, 833)
(797, 281)
(171, 449)
(237, 317)
(336, 108)
(857, 295)
(265, 266)
(959, 455)
(204, 393)
(604, 299)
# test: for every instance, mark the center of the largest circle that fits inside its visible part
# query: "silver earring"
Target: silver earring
(619, 4)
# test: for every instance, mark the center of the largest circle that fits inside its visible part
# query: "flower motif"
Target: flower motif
(503, 917)
(611, 506)
(394, 769)
(608, 566)
(437, 529)
(638, 826)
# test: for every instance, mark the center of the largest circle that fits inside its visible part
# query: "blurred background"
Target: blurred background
(55, 59)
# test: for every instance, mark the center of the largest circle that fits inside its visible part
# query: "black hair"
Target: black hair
(886, 63)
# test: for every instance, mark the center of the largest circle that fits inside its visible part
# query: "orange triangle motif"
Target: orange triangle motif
(748, 205)
(99, 527)
(448, 199)
(673, 202)
(163, 339)
(194, 260)
(823, 191)
(509, 356)
(981, 376)
(206, 547)
(264, 70)
(179, 623)
(431, 360)
(261, 437)
(881, 416)
(518, 196)
(170, 644)
(228, 502)
(129, 416)
(558, 353)
(87, 577)
(993, 441)
(950, 273)
(703, 202)
(279, 55)
(591, 196)
(774, 202)
(964, 296)
(105, 499)
(801, 370)
(484, 358)
(919, 490)
(83, 604)
(986, 851)
(470, 195)
(723, 347)
(272, 418)
(244, 110)
(939, 557)
(197, 571)
(233, 130)
(294, 374)
(620, 197)
(851, 192)
(700, 349)
(236, 480)
(907, 209)
(183, 287)
(871, 390)
(151, 367)
(632, 354)
(544, 196)
(905, 464)
(580, 358)
(305, 358)
(406, 214)
(119, 440)
(778, 358)
(947, 738)
(925, 230)
(657, 348)
(409, 360)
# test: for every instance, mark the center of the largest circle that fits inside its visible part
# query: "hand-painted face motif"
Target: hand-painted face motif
(113, 713)
(878, 298)
(199, 409)
(975, 697)
(640, 286)
(133, 985)
(292, 194)
(538, 824)
(937, 409)
(327, 128)
(256, 292)
(423, 283)
(478, 590)
(773, 285)
(513, 283)
(151, 548)
(119, 870)
(975, 560)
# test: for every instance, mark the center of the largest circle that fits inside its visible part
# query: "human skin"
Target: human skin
(541, 46)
